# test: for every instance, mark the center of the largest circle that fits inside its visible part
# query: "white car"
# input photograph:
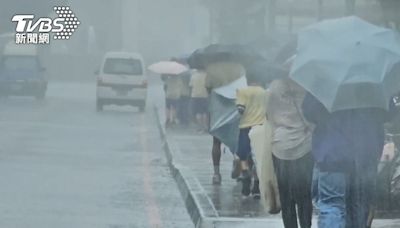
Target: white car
(121, 80)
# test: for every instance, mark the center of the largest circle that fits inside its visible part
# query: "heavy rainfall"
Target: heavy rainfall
(200, 113)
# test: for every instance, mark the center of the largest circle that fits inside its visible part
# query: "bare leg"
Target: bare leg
(236, 167)
(246, 177)
(256, 184)
(168, 119)
(174, 118)
(216, 157)
(244, 165)
(204, 122)
(199, 122)
(244, 153)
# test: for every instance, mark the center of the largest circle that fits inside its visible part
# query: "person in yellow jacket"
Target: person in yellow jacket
(173, 92)
(251, 104)
(199, 96)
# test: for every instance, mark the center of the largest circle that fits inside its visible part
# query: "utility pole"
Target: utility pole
(320, 10)
(212, 24)
(290, 15)
(390, 10)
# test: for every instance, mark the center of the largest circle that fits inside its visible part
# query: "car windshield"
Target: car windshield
(20, 63)
(123, 66)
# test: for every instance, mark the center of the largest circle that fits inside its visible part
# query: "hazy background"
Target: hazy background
(159, 29)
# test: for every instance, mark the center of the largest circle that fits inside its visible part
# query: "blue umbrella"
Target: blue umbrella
(224, 117)
(348, 63)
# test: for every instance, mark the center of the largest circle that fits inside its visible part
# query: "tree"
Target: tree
(320, 9)
(236, 21)
(390, 9)
(350, 7)
(271, 15)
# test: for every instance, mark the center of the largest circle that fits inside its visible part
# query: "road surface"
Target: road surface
(64, 165)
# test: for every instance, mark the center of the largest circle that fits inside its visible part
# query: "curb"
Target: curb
(198, 204)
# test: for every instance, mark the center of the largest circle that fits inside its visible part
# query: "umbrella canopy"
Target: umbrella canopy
(224, 117)
(221, 53)
(182, 59)
(264, 73)
(348, 63)
(168, 67)
(196, 60)
(288, 50)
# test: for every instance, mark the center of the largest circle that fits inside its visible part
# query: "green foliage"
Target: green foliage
(237, 21)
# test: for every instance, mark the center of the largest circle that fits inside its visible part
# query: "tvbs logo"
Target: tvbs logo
(25, 23)
(31, 30)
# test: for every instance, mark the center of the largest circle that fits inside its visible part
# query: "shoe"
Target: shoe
(235, 169)
(255, 192)
(216, 179)
(246, 183)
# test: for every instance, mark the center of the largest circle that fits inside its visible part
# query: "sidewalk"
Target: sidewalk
(217, 206)
(195, 150)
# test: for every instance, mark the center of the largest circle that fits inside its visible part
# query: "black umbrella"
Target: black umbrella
(287, 51)
(180, 59)
(264, 72)
(213, 53)
(196, 60)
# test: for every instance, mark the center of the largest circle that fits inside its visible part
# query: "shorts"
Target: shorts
(172, 103)
(199, 105)
(244, 147)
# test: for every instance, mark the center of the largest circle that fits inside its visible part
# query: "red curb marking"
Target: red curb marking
(152, 207)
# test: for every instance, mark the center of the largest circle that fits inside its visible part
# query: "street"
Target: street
(65, 165)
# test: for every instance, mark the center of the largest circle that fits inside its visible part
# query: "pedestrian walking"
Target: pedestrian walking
(394, 126)
(184, 101)
(173, 90)
(291, 149)
(199, 99)
(251, 104)
(347, 146)
(219, 74)
(350, 78)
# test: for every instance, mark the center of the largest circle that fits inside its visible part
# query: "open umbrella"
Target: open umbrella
(168, 67)
(348, 63)
(286, 51)
(196, 60)
(264, 72)
(224, 117)
(223, 52)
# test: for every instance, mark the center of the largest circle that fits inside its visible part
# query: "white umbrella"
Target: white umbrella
(168, 67)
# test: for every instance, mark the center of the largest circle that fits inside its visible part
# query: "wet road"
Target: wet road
(64, 165)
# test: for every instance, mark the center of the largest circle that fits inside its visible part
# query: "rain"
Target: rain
(200, 113)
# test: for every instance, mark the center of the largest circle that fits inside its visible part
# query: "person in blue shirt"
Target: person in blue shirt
(346, 146)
